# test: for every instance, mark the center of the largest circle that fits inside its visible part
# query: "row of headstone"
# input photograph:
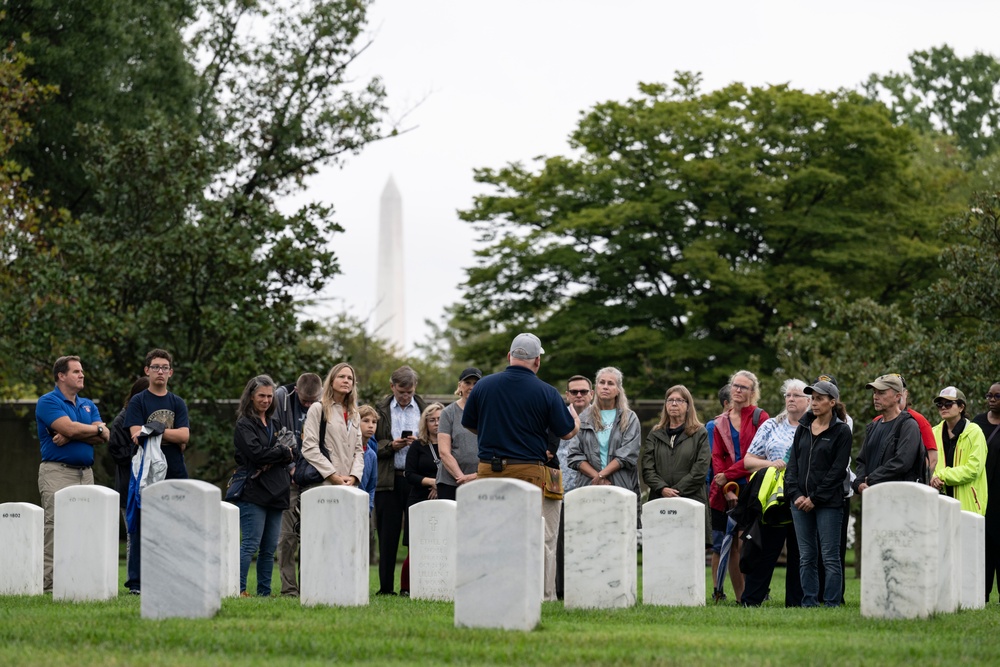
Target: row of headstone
(920, 553)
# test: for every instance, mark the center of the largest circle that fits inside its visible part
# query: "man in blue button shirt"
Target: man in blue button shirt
(512, 413)
(68, 428)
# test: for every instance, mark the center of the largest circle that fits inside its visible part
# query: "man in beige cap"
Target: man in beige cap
(892, 450)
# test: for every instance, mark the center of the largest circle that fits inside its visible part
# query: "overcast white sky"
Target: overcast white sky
(506, 81)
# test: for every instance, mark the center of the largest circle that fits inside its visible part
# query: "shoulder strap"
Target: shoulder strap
(322, 433)
(993, 433)
(755, 420)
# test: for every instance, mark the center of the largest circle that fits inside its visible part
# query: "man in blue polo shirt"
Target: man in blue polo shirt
(68, 428)
(511, 413)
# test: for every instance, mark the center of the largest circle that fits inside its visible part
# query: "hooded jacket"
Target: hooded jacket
(679, 463)
(817, 464)
(968, 474)
(724, 452)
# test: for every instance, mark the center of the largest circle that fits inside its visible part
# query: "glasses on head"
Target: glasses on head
(740, 387)
(944, 405)
(676, 401)
(577, 392)
(993, 397)
(159, 369)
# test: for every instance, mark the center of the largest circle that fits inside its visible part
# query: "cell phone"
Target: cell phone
(406, 434)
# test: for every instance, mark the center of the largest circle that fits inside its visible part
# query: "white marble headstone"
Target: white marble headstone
(181, 549)
(432, 550)
(229, 544)
(334, 547)
(22, 538)
(899, 550)
(949, 554)
(600, 569)
(85, 544)
(973, 566)
(499, 566)
(673, 552)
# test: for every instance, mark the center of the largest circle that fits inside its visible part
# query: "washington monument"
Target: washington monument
(389, 320)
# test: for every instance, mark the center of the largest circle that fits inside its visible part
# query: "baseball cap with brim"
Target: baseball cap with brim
(826, 377)
(824, 387)
(882, 382)
(951, 394)
(470, 373)
(526, 346)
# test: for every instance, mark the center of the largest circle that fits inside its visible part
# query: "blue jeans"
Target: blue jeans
(818, 534)
(260, 527)
(132, 562)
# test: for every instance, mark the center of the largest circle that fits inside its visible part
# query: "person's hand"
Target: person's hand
(720, 479)
(432, 494)
(731, 499)
(778, 465)
(462, 479)
(861, 487)
(805, 504)
(59, 439)
(350, 480)
(669, 493)
(399, 443)
(935, 481)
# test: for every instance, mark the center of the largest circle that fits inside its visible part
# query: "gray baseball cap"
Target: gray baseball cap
(526, 346)
(823, 387)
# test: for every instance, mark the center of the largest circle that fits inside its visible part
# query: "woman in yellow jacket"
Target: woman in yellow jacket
(961, 465)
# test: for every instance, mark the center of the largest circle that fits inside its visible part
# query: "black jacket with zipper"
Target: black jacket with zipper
(817, 464)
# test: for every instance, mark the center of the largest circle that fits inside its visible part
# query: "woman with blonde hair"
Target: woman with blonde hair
(734, 431)
(675, 460)
(606, 450)
(340, 458)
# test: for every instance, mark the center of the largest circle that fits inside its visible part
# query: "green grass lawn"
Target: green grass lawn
(278, 631)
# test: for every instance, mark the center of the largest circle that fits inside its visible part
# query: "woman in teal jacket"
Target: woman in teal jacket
(961, 465)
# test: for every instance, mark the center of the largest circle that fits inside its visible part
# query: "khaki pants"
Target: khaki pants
(54, 477)
(288, 543)
(533, 473)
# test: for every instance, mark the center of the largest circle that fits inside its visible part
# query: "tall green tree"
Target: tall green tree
(950, 335)
(183, 246)
(946, 93)
(689, 225)
(115, 63)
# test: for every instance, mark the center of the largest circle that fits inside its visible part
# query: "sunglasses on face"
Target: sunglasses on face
(578, 392)
(945, 405)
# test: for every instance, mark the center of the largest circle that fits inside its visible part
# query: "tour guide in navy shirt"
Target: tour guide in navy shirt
(512, 411)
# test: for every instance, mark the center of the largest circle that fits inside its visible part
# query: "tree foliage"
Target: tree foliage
(950, 336)
(690, 225)
(943, 92)
(181, 244)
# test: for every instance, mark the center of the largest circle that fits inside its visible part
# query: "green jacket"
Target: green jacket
(968, 474)
(680, 465)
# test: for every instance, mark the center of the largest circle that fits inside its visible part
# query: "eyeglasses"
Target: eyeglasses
(433, 420)
(740, 387)
(993, 397)
(578, 392)
(945, 405)
(676, 401)
(796, 396)
(159, 369)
